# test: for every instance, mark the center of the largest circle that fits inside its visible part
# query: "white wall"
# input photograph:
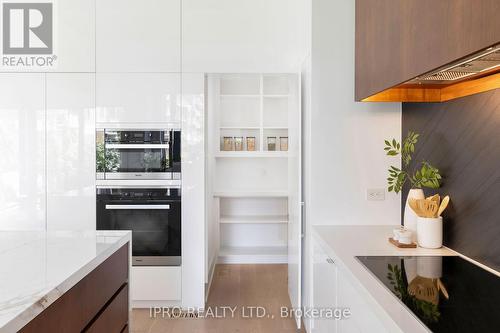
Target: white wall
(344, 140)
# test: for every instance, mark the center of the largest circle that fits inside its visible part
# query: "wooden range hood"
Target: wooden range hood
(470, 75)
(401, 44)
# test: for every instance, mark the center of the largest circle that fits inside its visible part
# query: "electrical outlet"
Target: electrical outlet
(375, 194)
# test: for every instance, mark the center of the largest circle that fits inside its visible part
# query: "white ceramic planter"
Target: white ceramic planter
(410, 218)
(430, 232)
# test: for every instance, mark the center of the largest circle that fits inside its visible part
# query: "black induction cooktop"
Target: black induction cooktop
(448, 294)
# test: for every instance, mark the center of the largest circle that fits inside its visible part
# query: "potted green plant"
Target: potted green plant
(422, 175)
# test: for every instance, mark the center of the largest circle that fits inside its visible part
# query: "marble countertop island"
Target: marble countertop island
(39, 267)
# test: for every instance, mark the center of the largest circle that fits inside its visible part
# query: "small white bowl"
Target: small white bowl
(396, 234)
(405, 237)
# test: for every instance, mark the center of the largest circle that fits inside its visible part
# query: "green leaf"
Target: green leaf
(427, 176)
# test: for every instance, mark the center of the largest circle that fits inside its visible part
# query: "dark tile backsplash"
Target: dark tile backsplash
(462, 138)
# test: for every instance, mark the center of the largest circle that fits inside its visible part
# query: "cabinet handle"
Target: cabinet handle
(156, 207)
(137, 146)
(330, 261)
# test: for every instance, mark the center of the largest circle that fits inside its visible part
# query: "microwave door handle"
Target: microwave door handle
(154, 207)
(137, 146)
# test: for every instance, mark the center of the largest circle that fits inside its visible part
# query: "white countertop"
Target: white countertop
(38, 267)
(344, 243)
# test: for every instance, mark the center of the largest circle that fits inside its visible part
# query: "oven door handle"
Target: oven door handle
(137, 146)
(158, 207)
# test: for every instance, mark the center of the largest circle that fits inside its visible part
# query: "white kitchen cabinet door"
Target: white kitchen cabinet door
(193, 190)
(238, 36)
(363, 318)
(138, 36)
(289, 84)
(71, 152)
(22, 148)
(75, 36)
(348, 299)
(324, 289)
(138, 98)
(155, 283)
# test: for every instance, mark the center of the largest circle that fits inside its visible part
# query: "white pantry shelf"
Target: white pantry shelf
(275, 96)
(261, 219)
(250, 205)
(252, 154)
(240, 128)
(239, 96)
(253, 255)
(251, 194)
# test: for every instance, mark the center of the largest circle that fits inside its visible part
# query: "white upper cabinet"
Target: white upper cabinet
(70, 152)
(22, 148)
(72, 39)
(74, 35)
(236, 36)
(138, 36)
(138, 98)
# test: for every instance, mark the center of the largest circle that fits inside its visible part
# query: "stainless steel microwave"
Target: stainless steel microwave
(138, 154)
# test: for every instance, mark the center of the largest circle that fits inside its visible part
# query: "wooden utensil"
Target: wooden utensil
(427, 208)
(442, 288)
(413, 205)
(424, 289)
(444, 204)
(435, 198)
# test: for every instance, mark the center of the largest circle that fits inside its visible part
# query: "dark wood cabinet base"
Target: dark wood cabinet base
(98, 303)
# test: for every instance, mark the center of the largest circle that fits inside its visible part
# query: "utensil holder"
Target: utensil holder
(430, 232)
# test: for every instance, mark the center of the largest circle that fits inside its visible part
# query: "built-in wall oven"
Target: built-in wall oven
(138, 154)
(153, 215)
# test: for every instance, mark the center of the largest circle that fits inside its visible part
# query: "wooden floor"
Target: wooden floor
(235, 286)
